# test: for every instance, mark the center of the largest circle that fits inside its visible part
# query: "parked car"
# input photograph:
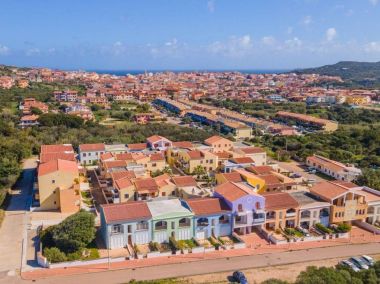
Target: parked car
(359, 262)
(368, 260)
(295, 175)
(349, 264)
(240, 277)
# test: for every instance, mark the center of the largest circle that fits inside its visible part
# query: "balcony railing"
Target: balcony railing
(184, 225)
(160, 228)
(290, 214)
(202, 224)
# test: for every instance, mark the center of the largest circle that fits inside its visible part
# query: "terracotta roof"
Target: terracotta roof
(183, 144)
(233, 177)
(231, 191)
(91, 147)
(347, 184)
(115, 164)
(195, 154)
(328, 190)
(57, 165)
(252, 150)
(31, 117)
(214, 139)
(155, 138)
(242, 160)
(126, 211)
(157, 157)
(106, 156)
(146, 184)
(57, 148)
(46, 157)
(279, 200)
(183, 181)
(260, 169)
(124, 157)
(162, 180)
(137, 146)
(223, 155)
(270, 179)
(207, 206)
(327, 163)
(123, 183)
(122, 174)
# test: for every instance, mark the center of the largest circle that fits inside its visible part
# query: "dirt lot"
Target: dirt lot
(257, 275)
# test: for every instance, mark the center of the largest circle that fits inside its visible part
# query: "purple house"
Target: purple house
(247, 206)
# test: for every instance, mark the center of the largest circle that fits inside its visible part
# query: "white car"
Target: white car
(368, 260)
(359, 262)
(350, 265)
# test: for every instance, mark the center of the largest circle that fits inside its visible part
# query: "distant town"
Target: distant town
(241, 185)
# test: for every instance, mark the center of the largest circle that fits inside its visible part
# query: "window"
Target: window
(211, 161)
(53, 181)
(161, 225)
(240, 207)
(258, 206)
(163, 194)
(126, 195)
(142, 225)
(184, 222)
(154, 165)
(224, 219)
(173, 225)
(116, 229)
(89, 154)
(84, 154)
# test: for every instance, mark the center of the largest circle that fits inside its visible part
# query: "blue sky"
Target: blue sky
(188, 34)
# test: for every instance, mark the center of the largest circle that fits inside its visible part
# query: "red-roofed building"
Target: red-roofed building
(90, 153)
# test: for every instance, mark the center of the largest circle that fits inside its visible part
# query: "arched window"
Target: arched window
(184, 222)
(142, 225)
(161, 225)
(202, 222)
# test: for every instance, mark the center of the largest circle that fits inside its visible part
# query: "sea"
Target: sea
(136, 72)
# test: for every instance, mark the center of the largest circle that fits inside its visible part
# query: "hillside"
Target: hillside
(355, 74)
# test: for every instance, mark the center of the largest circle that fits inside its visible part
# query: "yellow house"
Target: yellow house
(56, 180)
(252, 179)
(219, 144)
(126, 189)
(190, 160)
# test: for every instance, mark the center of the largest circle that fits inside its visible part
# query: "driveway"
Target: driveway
(13, 229)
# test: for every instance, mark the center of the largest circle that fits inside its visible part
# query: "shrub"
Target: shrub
(154, 246)
(323, 228)
(344, 227)
(54, 255)
(75, 232)
(46, 237)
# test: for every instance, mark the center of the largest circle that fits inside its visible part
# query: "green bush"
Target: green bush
(75, 232)
(323, 228)
(54, 255)
(344, 227)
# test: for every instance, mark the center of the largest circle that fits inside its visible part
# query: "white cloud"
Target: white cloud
(307, 20)
(4, 50)
(268, 40)
(293, 43)
(172, 42)
(374, 2)
(373, 46)
(32, 51)
(289, 30)
(211, 6)
(233, 47)
(331, 34)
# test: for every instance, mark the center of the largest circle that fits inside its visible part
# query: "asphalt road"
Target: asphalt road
(13, 229)
(215, 265)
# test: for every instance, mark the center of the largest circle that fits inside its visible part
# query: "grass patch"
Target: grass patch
(324, 176)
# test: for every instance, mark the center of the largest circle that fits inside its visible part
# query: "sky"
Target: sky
(188, 34)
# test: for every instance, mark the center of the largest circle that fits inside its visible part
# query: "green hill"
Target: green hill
(355, 74)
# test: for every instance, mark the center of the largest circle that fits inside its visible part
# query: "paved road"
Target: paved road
(215, 265)
(13, 229)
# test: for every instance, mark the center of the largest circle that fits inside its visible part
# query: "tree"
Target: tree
(274, 281)
(370, 178)
(321, 275)
(35, 110)
(199, 170)
(75, 232)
